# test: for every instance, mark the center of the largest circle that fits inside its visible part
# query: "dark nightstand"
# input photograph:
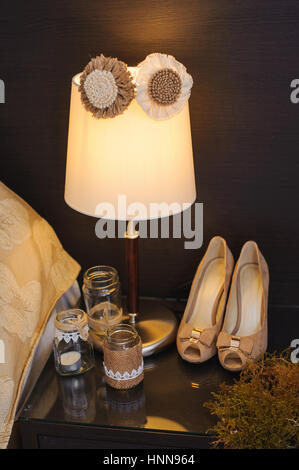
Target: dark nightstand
(166, 411)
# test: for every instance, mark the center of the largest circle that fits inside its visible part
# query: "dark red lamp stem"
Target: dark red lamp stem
(132, 274)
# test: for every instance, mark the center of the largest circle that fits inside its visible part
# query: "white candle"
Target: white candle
(70, 361)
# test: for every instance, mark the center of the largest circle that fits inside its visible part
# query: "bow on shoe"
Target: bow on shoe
(196, 335)
(227, 341)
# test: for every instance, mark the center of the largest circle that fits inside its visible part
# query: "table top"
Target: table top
(170, 398)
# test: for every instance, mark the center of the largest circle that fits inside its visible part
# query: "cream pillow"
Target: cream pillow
(35, 271)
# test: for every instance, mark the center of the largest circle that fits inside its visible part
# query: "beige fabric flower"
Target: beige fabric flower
(106, 87)
(163, 86)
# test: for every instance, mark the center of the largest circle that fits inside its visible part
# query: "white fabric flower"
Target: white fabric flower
(163, 86)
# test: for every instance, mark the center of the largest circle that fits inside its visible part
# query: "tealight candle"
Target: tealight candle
(70, 361)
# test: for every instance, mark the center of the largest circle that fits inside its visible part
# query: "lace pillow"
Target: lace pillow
(34, 272)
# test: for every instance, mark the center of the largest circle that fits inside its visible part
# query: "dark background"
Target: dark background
(242, 55)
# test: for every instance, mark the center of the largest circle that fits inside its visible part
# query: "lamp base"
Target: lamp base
(156, 326)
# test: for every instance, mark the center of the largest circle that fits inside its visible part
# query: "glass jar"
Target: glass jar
(73, 351)
(123, 361)
(102, 296)
(78, 396)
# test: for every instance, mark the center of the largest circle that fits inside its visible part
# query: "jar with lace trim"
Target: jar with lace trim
(73, 350)
(102, 296)
(123, 362)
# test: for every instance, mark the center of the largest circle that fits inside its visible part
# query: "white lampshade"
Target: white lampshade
(131, 155)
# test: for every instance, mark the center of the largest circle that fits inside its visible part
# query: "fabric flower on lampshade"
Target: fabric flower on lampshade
(163, 86)
(106, 87)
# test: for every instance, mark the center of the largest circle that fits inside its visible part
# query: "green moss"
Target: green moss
(261, 409)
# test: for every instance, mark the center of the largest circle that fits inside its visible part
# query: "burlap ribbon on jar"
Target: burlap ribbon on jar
(123, 368)
(71, 328)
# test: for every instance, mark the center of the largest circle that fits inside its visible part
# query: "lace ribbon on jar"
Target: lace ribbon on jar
(69, 329)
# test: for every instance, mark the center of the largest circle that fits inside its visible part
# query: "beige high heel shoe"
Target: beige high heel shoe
(244, 334)
(203, 316)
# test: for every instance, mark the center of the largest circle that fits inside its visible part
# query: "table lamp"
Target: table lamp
(139, 147)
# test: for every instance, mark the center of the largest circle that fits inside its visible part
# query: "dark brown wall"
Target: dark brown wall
(242, 55)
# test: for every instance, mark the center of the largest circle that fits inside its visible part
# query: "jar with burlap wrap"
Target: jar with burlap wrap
(102, 296)
(73, 350)
(123, 361)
